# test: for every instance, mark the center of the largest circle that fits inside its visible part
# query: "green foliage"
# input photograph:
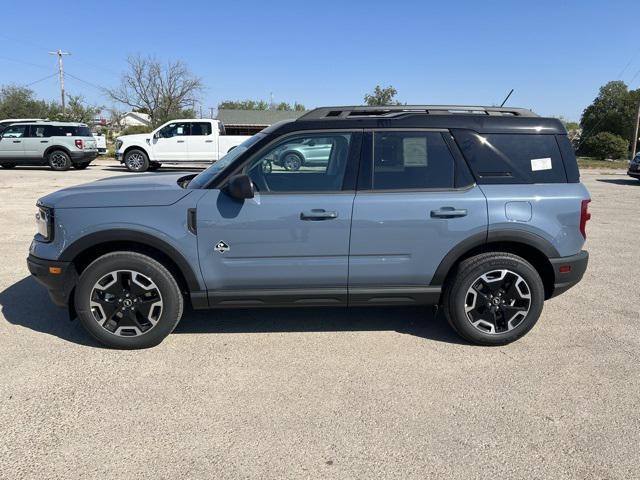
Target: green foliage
(382, 96)
(259, 105)
(613, 110)
(244, 105)
(136, 129)
(19, 102)
(606, 145)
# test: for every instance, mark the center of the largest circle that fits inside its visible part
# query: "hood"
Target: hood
(136, 137)
(146, 190)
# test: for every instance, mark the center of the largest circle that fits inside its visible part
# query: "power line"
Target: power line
(24, 63)
(42, 79)
(97, 87)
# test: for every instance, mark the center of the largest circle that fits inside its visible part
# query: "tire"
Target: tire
(81, 166)
(292, 161)
(136, 161)
(7, 165)
(59, 161)
(136, 287)
(488, 310)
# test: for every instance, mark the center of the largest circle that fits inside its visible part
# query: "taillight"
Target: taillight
(585, 216)
(79, 144)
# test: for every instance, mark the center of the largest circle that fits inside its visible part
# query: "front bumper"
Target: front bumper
(634, 171)
(59, 285)
(85, 156)
(568, 271)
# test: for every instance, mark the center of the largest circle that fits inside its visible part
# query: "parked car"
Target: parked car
(9, 121)
(312, 152)
(477, 209)
(101, 143)
(178, 142)
(61, 145)
(634, 167)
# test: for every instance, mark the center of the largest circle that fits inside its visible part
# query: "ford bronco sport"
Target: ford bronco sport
(61, 145)
(477, 209)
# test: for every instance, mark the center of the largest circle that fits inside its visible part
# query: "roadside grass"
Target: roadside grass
(588, 162)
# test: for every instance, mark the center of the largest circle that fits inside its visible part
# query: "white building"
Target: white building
(135, 119)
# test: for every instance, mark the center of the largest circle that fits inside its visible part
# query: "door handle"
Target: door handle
(449, 212)
(44, 141)
(17, 141)
(208, 141)
(180, 141)
(318, 214)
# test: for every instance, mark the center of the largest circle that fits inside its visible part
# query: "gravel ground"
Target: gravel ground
(366, 393)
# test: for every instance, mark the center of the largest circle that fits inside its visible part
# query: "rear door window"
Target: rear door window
(512, 158)
(411, 160)
(200, 129)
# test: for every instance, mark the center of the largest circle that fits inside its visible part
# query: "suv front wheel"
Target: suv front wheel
(136, 161)
(128, 300)
(493, 298)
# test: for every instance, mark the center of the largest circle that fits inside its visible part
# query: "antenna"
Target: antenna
(507, 98)
(59, 53)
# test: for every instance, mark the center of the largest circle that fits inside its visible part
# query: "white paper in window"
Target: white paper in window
(540, 164)
(415, 151)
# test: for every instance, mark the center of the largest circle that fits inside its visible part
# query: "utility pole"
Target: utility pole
(211, 113)
(60, 54)
(635, 134)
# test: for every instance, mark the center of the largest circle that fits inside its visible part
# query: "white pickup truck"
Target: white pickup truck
(185, 141)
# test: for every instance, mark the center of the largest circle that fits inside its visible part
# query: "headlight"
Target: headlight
(44, 223)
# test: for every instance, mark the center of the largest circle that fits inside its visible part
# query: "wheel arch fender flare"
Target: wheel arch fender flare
(114, 236)
(53, 148)
(480, 240)
(136, 147)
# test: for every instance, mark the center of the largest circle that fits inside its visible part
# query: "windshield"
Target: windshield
(212, 172)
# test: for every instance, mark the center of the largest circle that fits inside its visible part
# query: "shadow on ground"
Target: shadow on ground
(27, 304)
(620, 181)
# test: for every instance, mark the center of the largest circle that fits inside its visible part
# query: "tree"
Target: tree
(243, 105)
(382, 96)
(19, 102)
(76, 110)
(613, 110)
(259, 105)
(606, 145)
(163, 91)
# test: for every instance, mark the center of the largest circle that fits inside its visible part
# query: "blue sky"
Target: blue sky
(555, 54)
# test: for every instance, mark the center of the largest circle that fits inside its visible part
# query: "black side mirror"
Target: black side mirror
(240, 187)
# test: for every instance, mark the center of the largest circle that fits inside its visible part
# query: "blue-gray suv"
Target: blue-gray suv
(479, 210)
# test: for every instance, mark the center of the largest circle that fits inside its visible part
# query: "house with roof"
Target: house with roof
(135, 119)
(250, 122)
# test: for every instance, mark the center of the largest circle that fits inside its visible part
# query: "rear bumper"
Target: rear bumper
(81, 157)
(573, 269)
(59, 285)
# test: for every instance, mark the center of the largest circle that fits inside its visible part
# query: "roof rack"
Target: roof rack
(393, 110)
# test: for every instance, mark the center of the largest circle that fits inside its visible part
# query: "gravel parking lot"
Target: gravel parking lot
(366, 393)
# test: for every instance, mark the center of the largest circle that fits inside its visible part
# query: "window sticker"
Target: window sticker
(415, 151)
(540, 164)
(180, 130)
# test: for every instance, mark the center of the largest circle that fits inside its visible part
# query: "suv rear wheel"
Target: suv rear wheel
(128, 300)
(136, 161)
(494, 298)
(59, 161)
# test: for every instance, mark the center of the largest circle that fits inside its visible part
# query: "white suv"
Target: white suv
(193, 141)
(61, 145)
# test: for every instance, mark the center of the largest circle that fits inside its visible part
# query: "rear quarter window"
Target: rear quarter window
(512, 158)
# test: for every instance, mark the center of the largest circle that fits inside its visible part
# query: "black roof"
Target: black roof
(479, 119)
